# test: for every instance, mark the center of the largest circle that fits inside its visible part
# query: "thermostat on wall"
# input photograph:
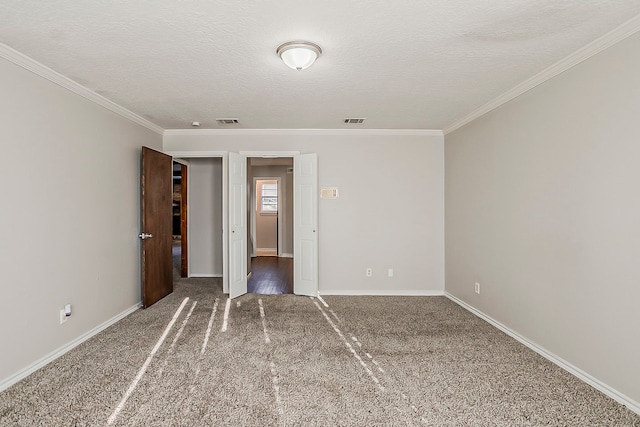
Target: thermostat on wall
(329, 193)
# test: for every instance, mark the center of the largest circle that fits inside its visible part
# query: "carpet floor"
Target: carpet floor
(196, 359)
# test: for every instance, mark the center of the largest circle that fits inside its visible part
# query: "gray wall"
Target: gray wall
(205, 217)
(390, 210)
(70, 215)
(543, 209)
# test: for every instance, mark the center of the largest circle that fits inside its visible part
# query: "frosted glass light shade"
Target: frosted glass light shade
(299, 55)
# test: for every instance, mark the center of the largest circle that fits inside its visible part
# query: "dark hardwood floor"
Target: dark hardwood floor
(271, 275)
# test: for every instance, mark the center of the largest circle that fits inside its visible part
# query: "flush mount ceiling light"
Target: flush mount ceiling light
(299, 55)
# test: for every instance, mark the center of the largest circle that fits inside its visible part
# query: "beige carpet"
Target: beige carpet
(287, 360)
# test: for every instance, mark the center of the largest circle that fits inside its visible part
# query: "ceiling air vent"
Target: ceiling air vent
(227, 121)
(354, 121)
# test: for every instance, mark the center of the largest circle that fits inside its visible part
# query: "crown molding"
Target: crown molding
(618, 34)
(305, 132)
(41, 70)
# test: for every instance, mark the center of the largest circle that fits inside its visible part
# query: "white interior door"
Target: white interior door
(305, 228)
(237, 235)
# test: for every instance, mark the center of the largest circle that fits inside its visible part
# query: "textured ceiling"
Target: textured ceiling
(406, 64)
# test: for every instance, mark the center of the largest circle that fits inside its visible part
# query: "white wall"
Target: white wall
(70, 216)
(390, 210)
(543, 209)
(286, 191)
(205, 217)
(266, 224)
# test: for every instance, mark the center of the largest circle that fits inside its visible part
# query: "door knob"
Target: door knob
(145, 235)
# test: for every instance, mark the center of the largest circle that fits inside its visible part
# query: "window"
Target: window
(269, 197)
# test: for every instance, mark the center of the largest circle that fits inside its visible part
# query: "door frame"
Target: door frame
(254, 213)
(225, 220)
(266, 154)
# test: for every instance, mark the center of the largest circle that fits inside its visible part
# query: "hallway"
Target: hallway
(271, 275)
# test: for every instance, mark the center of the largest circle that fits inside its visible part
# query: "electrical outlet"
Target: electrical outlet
(390, 272)
(477, 288)
(369, 272)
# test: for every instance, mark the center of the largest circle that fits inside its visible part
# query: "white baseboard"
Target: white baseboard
(266, 252)
(197, 275)
(285, 255)
(594, 382)
(383, 292)
(23, 373)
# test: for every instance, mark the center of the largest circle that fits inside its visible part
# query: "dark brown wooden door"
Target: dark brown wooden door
(156, 233)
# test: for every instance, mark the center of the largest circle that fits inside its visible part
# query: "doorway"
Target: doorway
(179, 250)
(236, 250)
(270, 225)
(266, 216)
